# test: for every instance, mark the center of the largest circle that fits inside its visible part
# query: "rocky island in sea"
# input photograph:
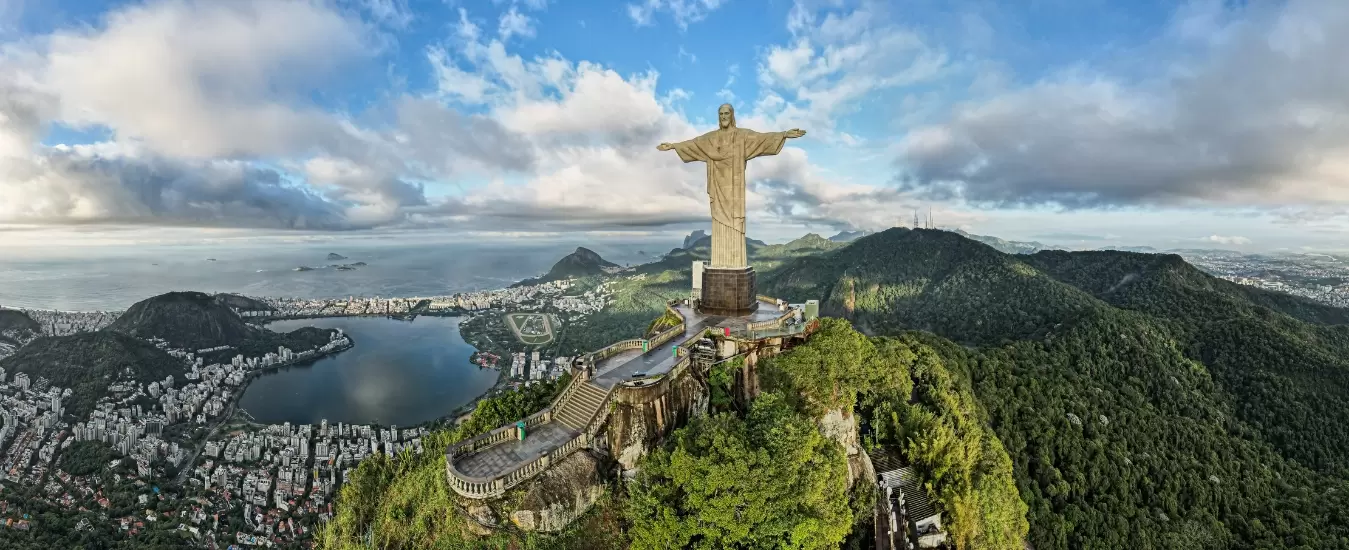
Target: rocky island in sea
(333, 257)
(338, 267)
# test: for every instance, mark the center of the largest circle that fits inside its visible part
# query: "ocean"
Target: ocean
(111, 278)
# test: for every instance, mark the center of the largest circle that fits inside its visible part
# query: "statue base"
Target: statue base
(728, 292)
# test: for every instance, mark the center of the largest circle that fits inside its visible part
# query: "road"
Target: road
(233, 404)
(215, 427)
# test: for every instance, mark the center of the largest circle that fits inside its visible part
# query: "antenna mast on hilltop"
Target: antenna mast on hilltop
(929, 218)
(915, 218)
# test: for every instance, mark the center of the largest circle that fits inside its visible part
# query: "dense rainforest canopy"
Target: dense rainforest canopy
(1092, 400)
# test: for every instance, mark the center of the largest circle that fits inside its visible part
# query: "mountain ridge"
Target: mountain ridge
(583, 262)
(192, 320)
(88, 362)
(1166, 372)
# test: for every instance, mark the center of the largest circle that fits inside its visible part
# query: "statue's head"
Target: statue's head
(726, 115)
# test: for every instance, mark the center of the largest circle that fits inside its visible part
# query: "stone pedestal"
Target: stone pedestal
(728, 292)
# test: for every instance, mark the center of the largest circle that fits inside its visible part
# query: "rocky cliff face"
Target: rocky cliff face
(841, 427)
(558, 496)
(643, 416)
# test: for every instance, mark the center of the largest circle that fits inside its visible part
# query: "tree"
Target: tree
(770, 480)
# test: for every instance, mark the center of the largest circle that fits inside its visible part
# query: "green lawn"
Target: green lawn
(522, 324)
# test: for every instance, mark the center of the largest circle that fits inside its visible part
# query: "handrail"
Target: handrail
(566, 393)
(668, 334)
(612, 349)
(599, 414)
(475, 487)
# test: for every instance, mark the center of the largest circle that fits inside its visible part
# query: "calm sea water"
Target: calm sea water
(113, 278)
(399, 372)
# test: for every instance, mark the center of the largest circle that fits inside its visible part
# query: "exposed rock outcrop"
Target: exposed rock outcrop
(642, 417)
(558, 496)
(841, 426)
(482, 519)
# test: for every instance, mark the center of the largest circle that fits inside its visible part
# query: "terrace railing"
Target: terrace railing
(496, 485)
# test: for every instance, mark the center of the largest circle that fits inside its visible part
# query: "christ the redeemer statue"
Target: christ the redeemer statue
(726, 150)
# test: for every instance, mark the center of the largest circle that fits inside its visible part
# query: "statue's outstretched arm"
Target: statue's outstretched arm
(689, 151)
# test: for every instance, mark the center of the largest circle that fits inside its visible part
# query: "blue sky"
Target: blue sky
(1083, 123)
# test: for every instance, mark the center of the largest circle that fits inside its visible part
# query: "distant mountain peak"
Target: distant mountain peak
(583, 262)
(849, 236)
(193, 320)
(810, 240)
(587, 256)
(705, 242)
(693, 238)
(1009, 247)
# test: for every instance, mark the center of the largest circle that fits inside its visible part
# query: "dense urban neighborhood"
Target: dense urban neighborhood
(175, 453)
(179, 455)
(1320, 277)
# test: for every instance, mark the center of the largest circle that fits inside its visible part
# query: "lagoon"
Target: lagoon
(399, 372)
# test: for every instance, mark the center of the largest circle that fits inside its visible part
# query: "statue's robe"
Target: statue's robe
(726, 151)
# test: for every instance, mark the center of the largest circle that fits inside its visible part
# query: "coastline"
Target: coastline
(233, 405)
(449, 419)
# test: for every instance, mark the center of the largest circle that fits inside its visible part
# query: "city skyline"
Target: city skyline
(1074, 124)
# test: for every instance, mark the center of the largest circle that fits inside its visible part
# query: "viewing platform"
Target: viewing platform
(488, 465)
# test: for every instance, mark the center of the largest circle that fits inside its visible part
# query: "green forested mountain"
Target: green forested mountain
(1284, 360)
(196, 320)
(88, 362)
(903, 279)
(17, 327)
(1093, 400)
(192, 320)
(1144, 404)
(583, 262)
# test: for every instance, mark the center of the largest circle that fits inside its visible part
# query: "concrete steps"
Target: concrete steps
(580, 406)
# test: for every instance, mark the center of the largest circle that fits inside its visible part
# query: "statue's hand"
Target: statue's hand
(664, 147)
(795, 133)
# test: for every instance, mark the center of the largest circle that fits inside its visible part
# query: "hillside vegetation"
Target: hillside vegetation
(584, 262)
(88, 362)
(17, 327)
(1144, 404)
(1070, 400)
(916, 396)
(196, 320)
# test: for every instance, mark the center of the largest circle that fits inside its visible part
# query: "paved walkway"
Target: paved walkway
(504, 457)
(657, 361)
(609, 372)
